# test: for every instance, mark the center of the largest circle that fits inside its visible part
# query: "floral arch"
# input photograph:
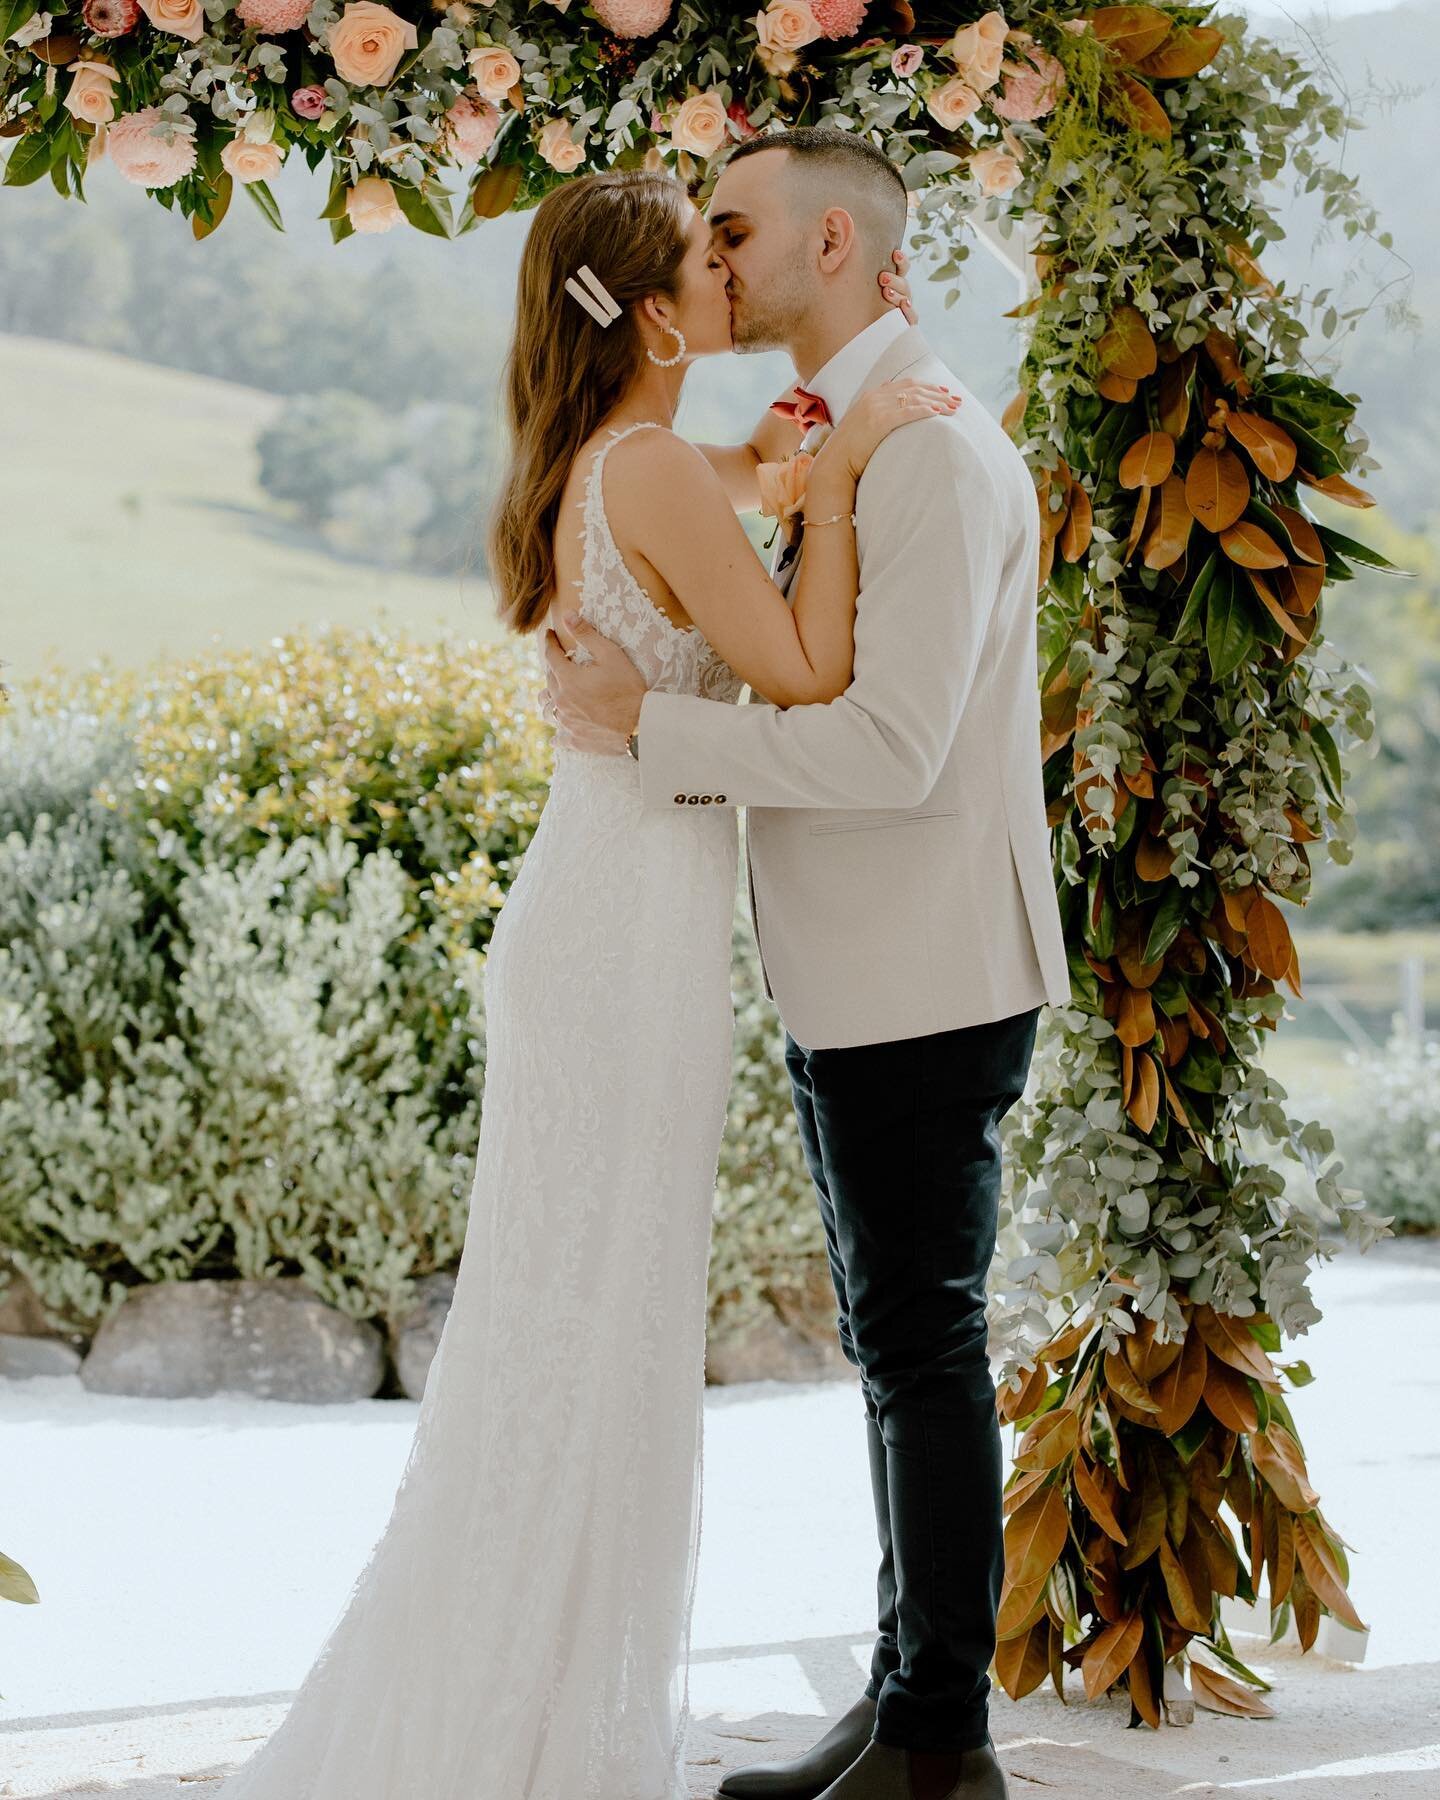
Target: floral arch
(1193, 718)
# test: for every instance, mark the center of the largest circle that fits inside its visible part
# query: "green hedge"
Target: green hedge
(244, 904)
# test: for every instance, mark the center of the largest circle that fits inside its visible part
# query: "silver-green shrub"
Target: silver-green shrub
(1387, 1122)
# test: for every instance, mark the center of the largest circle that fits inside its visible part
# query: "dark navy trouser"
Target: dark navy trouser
(903, 1144)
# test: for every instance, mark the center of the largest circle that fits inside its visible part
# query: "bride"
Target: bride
(521, 1629)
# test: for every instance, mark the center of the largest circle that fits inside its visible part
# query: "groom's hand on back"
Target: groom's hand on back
(596, 702)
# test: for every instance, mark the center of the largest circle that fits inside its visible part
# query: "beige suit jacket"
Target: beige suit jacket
(899, 857)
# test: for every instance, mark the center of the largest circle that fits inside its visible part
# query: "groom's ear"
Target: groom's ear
(837, 238)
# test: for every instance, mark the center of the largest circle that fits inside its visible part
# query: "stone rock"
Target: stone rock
(771, 1350)
(21, 1357)
(274, 1339)
(414, 1341)
(20, 1311)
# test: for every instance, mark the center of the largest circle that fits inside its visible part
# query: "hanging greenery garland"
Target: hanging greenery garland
(1194, 716)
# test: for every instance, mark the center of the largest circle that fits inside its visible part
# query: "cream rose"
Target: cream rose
(784, 28)
(699, 126)
(996, 170)
(183, 18)
(367, 42)
(978, 50)
(251, 162)
(560, 149)
(782, 485)
(495, 70)
(371, 205)
(91, 94)
(952, 104)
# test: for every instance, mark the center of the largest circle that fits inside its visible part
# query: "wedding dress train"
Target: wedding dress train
(521, 1629)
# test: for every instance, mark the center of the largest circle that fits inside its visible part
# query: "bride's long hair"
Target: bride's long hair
(565, 373)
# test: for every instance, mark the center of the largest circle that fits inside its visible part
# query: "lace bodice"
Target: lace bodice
(672, 658)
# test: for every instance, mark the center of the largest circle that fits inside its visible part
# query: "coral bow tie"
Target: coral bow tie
(805, 408)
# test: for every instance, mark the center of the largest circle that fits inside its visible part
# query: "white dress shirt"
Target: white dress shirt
(838, 381)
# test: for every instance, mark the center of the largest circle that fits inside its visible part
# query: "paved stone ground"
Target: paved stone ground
(145, 1701)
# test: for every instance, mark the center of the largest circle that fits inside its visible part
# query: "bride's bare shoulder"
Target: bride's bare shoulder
(658, 465)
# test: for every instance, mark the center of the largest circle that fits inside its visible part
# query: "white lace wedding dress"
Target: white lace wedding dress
(521, 1630)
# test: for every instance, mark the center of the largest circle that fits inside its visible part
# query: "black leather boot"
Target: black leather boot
(885, 1772)
(810, 1774)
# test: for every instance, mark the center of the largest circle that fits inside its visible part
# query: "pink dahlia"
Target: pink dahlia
(632, 18)
(274, 16)
(142, 157)
(839, 18)
(111, 18)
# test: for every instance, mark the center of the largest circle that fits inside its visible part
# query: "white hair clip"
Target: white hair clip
(593, 296)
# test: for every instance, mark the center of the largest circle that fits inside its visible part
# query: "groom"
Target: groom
(903, 902)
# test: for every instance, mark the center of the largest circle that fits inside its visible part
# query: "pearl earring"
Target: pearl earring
(669, 362)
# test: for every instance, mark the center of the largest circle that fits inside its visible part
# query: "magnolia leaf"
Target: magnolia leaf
(1270, 943)
(1090, 1486)
(1184, 1603)
(1336, 487)
(1148, 460)
(1170, 526)
(1251, 546)
(1135, 1024)
(219, 206)
(1179, 1388)
(1278, 1457)
(1306, 1605)
(1109, 1655)
(1035, 1535)
(1304, 538)
(1141, 1682)
(1228, 635)
(1023, 1662)
(1049, 1440)
(1127, 347)
(259, 192)
(15, 1583)
(1317, 1559)
(1187, 50)
(1219, 1693)
(1231, 1340)
(1216, 488)
(1266, 595)
(1269, 446)
(1119, 388)
(1144, 1107)
(1130, 32)
(1228, 1396)
(1132, 103)
(1360, 553)
(1122, 1378)
(1076, 533)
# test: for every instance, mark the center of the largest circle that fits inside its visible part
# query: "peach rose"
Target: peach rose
(182, 18)
(371, 205)
(784, 28)
(367, 42)
(782, 485)
(560, 149)
(978, 50)
(699, 126)
(91, 94)
(953, 103)
(996, 170)
(251, 162)
(495, 70)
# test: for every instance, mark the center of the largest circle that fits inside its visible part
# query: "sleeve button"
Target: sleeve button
(679, 799)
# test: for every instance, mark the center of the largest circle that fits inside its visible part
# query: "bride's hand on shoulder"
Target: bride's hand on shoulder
(896, 287)
(872, 417)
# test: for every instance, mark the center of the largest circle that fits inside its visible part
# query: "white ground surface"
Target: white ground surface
(191, 1556)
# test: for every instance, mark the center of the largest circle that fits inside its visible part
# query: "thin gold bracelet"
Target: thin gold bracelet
(815, 524)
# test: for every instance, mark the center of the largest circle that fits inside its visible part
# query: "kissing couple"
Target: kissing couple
(521, 1630)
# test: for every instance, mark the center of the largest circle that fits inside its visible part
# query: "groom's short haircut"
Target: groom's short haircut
(841, 168)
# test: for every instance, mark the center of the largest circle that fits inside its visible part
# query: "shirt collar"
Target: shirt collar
(838, 381)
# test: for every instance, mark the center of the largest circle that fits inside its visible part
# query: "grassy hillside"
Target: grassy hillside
(133, 525)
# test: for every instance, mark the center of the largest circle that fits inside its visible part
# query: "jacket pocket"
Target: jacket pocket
(874, 821)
